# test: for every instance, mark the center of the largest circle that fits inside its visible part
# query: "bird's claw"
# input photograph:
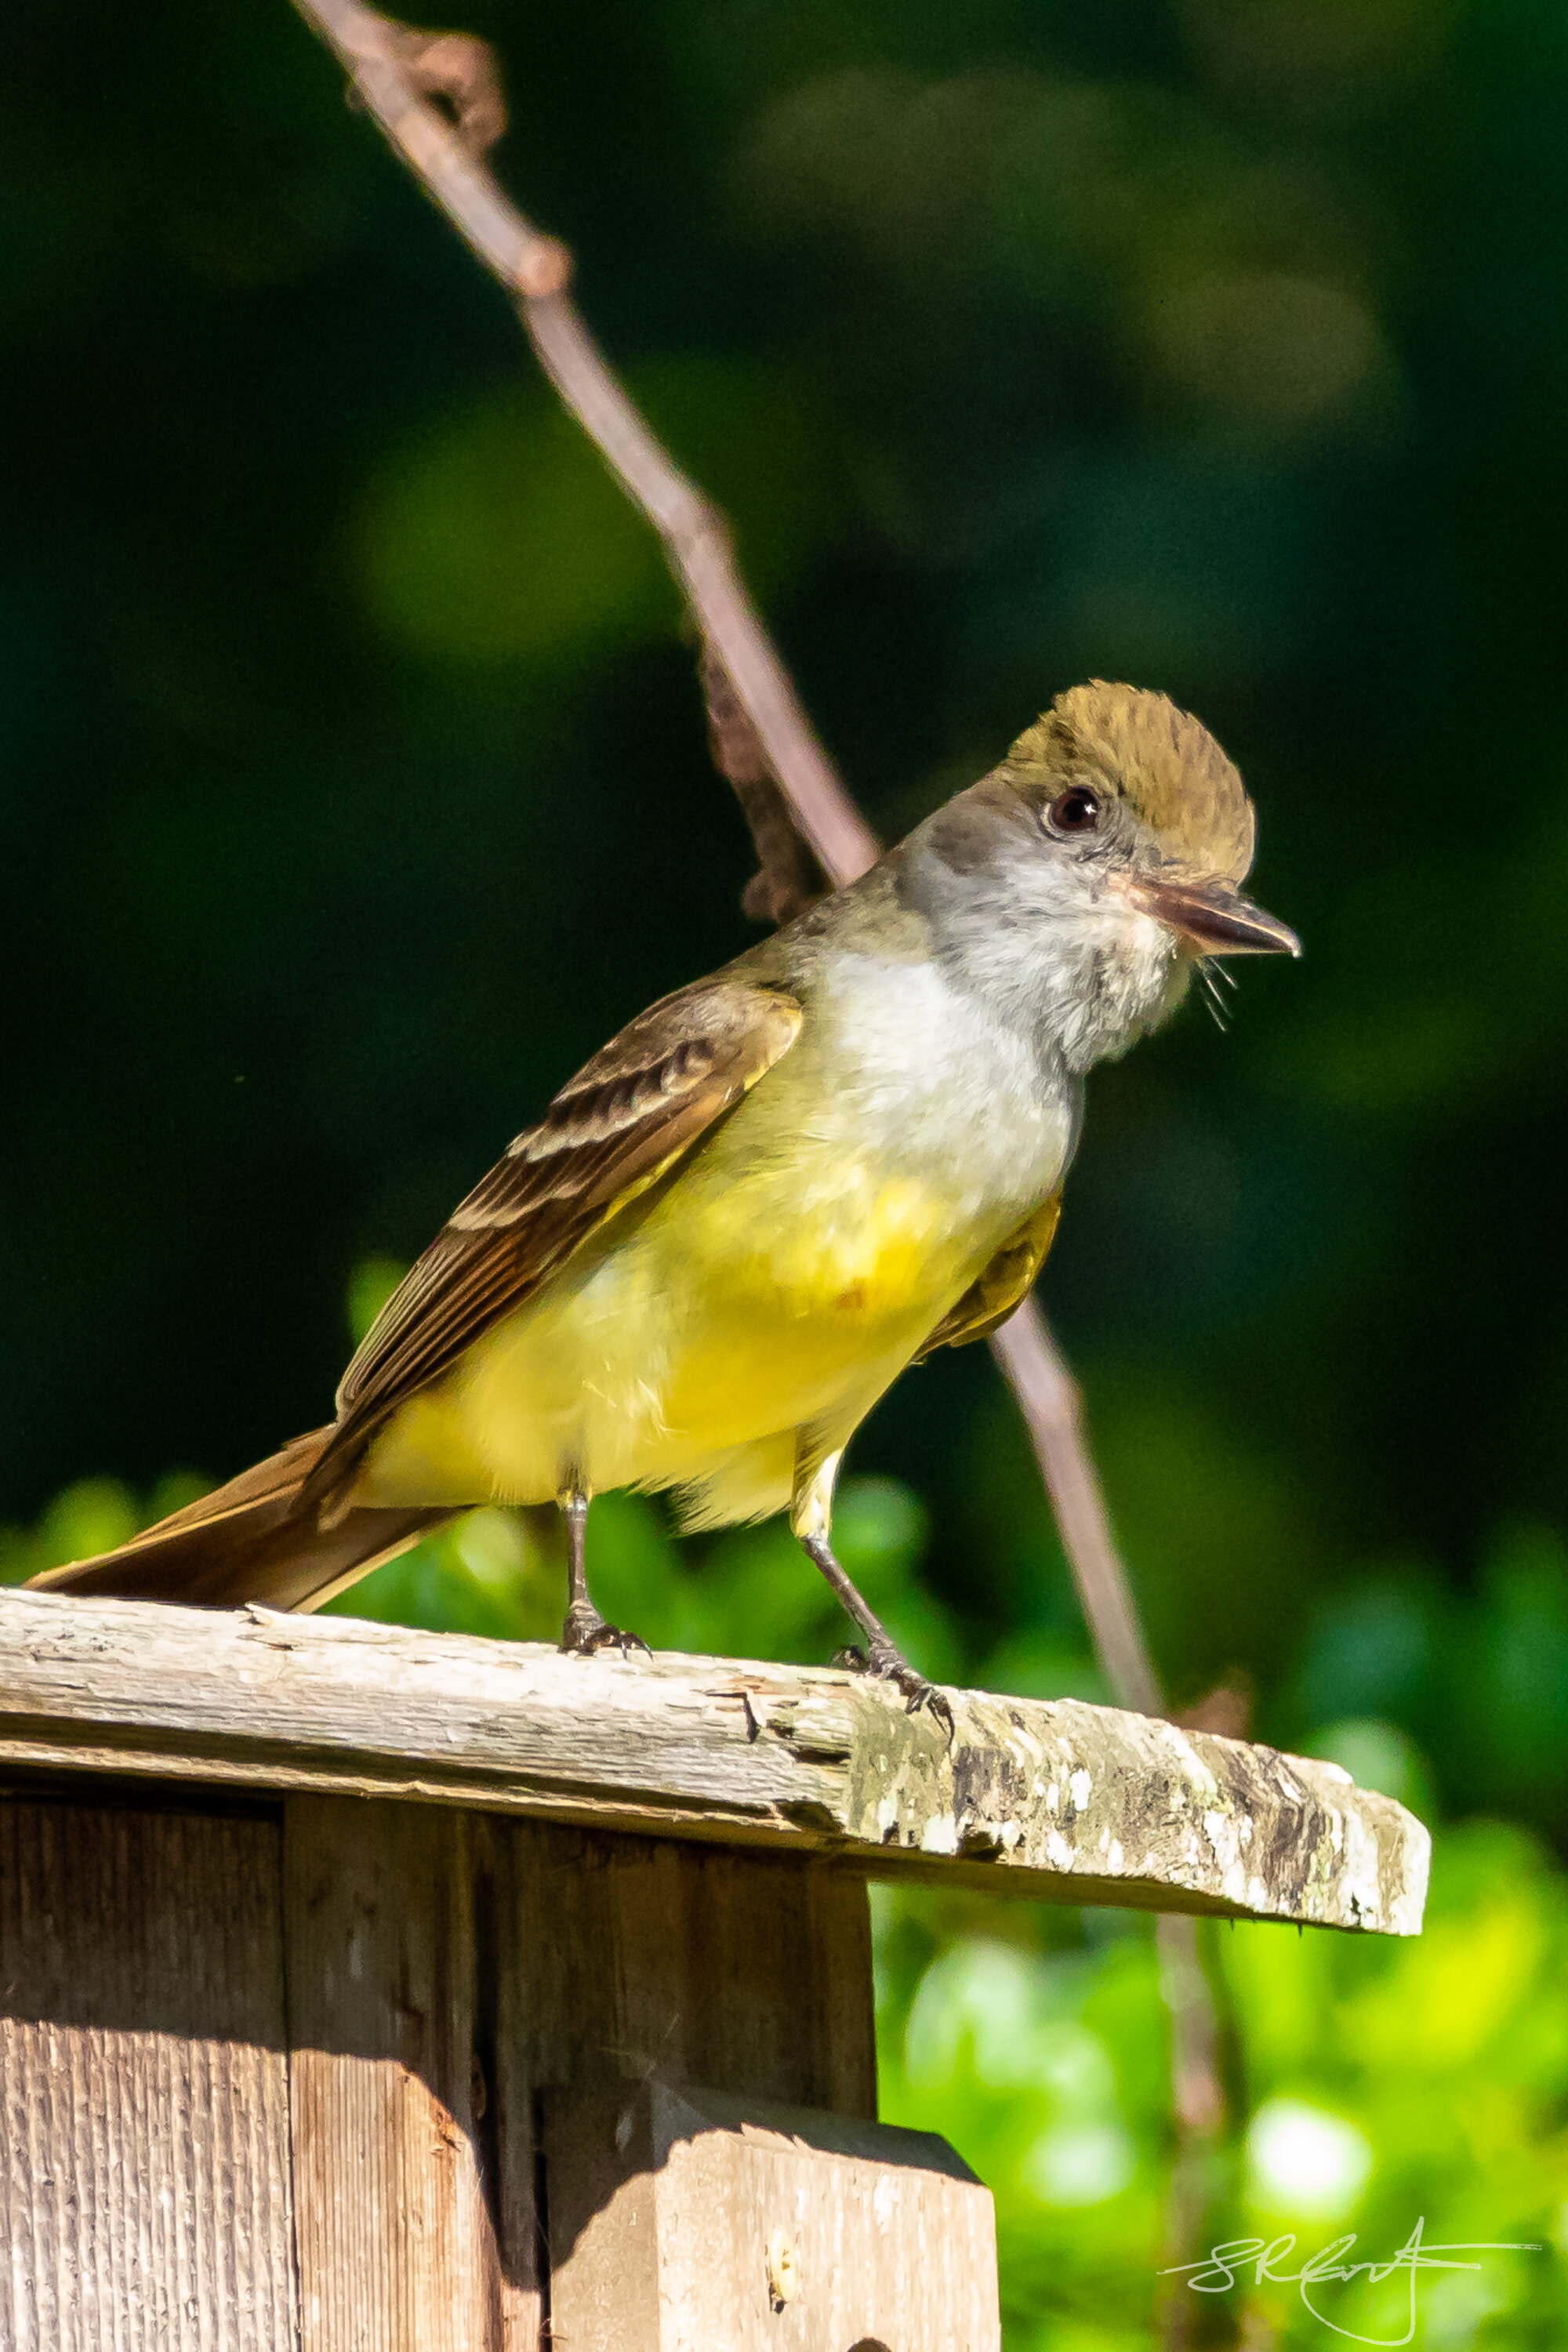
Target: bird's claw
(919, 1695)
(586, 1632)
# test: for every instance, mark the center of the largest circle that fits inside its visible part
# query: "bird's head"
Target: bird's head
(1087, 877)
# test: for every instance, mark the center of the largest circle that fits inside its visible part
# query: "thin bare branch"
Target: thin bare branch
(696, 543)
(788, 876)
(395, 73)
(536, 269)
(1053, 1412)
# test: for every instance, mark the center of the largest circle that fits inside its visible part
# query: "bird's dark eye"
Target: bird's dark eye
(1075, 811)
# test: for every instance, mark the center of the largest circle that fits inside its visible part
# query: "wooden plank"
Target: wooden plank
(645, 1965)
(144, 2193)
(396, 2244)
(1050, 1798)
(445, 1972)
(682, 2221)
(651, 1957)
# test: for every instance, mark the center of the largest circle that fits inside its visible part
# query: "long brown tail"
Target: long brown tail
(254, 1540)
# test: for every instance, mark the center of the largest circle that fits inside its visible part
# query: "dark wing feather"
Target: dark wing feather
(610, 1133)
(1001, 1286)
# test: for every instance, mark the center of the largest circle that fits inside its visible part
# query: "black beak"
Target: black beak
(1215, 917)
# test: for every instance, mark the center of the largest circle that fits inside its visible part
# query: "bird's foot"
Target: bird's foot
(586, 1632)
(881, 1658)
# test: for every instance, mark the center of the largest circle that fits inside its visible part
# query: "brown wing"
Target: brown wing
(1003, 1286)
(614, 1130)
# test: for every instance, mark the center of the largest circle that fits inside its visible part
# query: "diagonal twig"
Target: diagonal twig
(788, 876)
(396, 75)
(1052, 1408)
(437, 98)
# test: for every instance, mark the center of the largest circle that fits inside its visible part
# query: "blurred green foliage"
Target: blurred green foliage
(1376, 2083)
(353, 787)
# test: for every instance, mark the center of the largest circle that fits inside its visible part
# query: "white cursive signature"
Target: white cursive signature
(1256, 2256)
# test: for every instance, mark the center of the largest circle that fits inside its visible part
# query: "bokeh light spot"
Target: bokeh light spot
(1305, 2164)
(1080, 2164)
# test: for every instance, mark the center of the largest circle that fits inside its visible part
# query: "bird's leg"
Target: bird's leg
(585, 1629)
(881, 1654)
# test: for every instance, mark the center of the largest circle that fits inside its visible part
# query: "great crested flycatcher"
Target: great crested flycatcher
(737, 1225)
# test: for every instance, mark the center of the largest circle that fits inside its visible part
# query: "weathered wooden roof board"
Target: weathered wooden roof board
(1050, 1798)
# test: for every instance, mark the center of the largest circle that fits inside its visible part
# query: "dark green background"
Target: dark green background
(355, 784)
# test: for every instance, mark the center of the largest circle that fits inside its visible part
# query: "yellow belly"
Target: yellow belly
(741, 1305)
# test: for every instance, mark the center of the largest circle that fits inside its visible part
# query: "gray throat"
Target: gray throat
(1043, 939)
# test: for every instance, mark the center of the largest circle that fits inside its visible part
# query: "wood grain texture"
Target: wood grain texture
(1054, 1799)
(145, 2191)
(651, 1957)
(684, 2221)
(396, 2244)
(448, 1973)
(644, 1961)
